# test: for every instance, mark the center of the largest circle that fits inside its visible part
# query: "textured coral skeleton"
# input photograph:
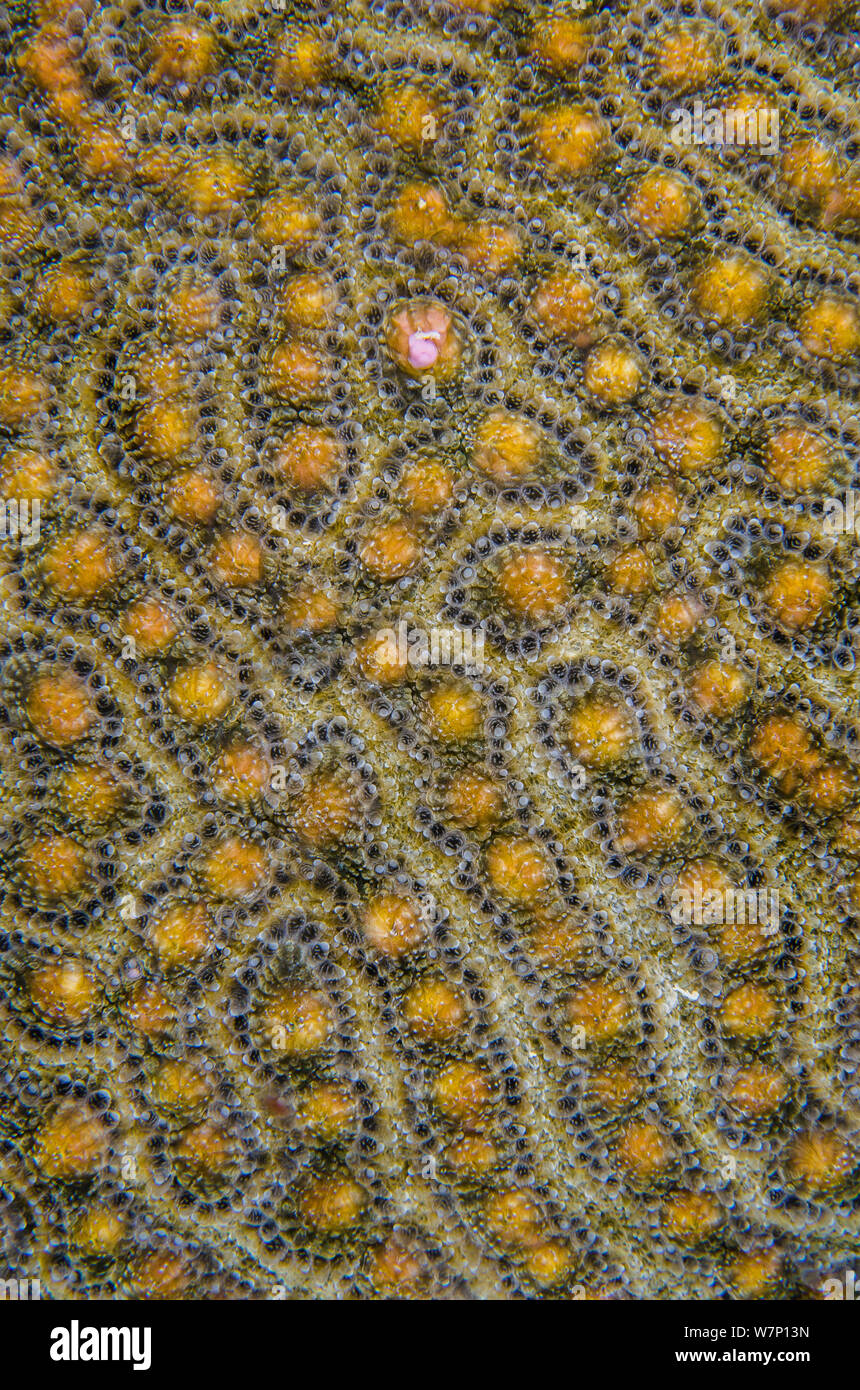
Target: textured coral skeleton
(325, 973)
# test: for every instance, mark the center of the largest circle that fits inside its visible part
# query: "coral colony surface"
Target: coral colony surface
(428, 730)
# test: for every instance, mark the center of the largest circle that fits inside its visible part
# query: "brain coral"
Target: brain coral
(428, 729)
